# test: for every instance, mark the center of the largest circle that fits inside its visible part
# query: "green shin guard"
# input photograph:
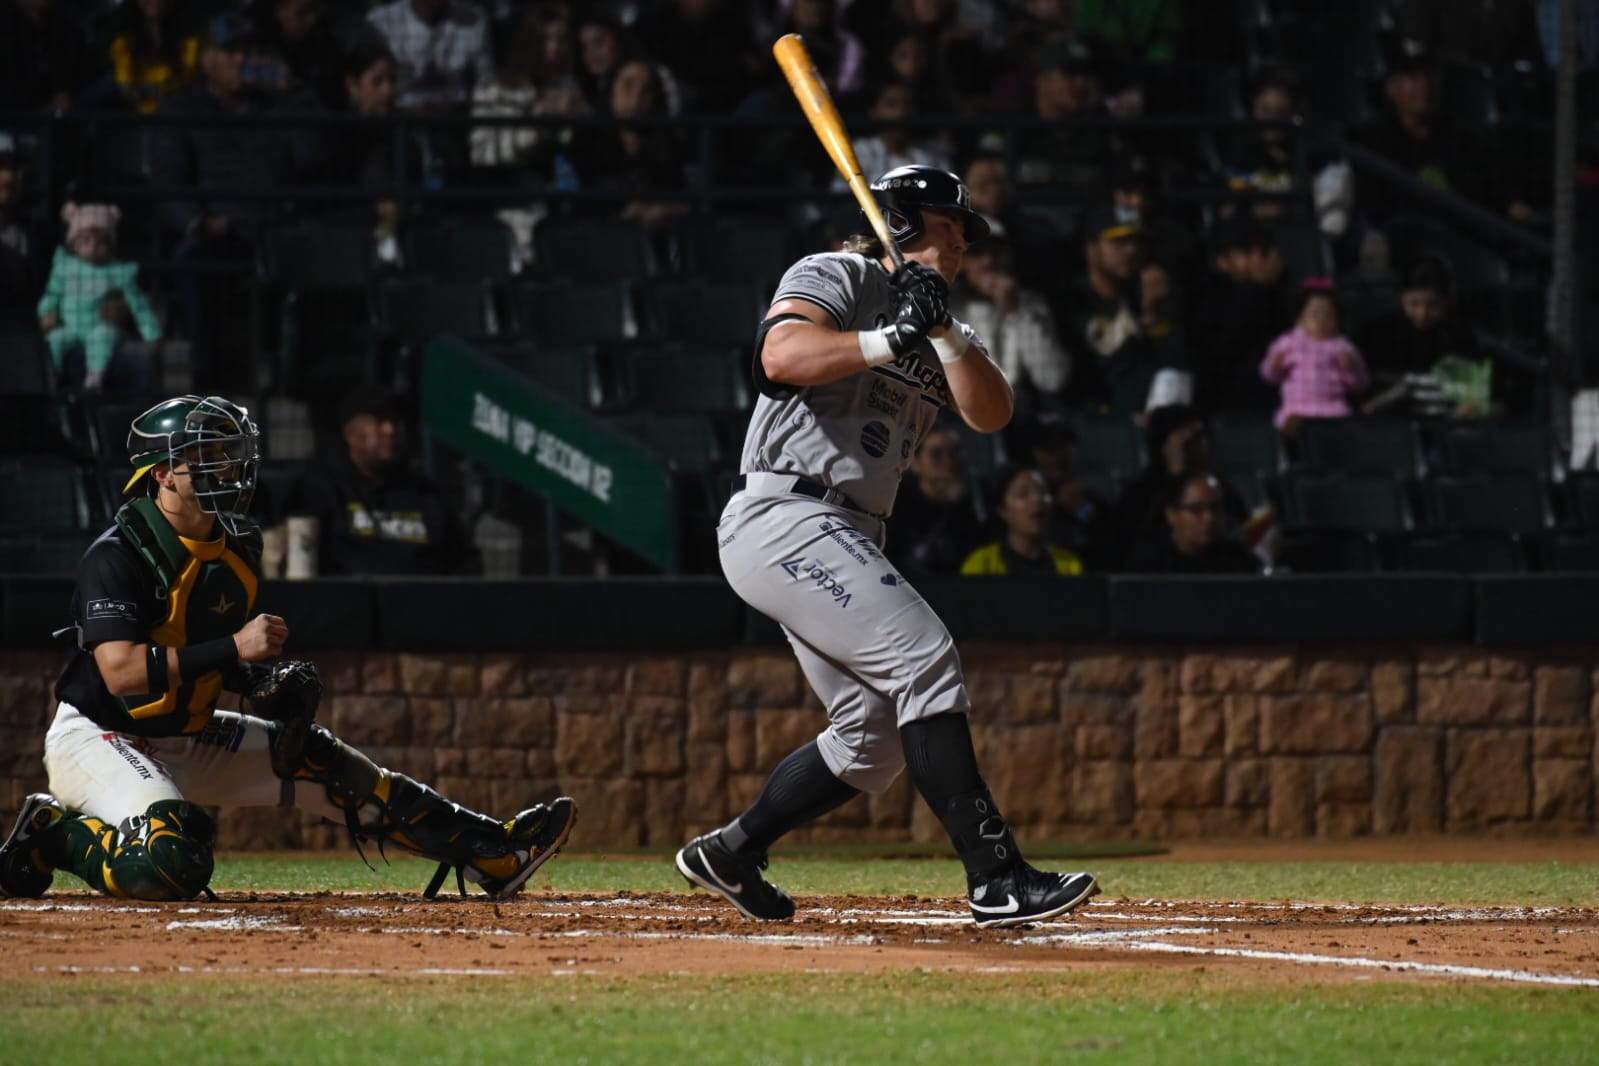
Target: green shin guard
(392, 808)
(163, 854)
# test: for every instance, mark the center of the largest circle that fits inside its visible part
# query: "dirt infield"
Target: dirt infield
(550, 933)
(631, 935)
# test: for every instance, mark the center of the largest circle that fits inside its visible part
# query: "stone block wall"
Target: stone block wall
(1077, 742)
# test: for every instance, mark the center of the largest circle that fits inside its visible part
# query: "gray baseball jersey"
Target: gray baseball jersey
(856, 435)
(873, 650)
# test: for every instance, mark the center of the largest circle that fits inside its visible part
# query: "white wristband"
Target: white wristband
(874, 347)
(950, 342)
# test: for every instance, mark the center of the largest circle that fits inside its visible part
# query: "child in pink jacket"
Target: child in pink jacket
(1316, 365)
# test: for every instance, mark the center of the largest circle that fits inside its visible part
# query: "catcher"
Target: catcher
(138, 749)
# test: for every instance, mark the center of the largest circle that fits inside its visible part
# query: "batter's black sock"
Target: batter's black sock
(943, 766)
(800, 790)
(941, 759)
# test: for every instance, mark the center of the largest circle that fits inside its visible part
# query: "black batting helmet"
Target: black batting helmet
(905, 192)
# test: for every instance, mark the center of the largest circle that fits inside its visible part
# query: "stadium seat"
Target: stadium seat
(593, 249)
(1463, 553)
(688, 442)
(315, 300)
(1572, 553)
(412, 313)
(1501, 503)
(274, 485)
(25, 365)
(746, 249)
(45, 552)
(690, 445)
(34, 426)
(1244, 442)
(577, 312)
(567, 371)
(326, 340)
(1111, 445)
(1493, 448)
(44, 493)
(697, 312)
(468, 249)
(1254, 486)
(686, 381)
(296, 257)
(1582, 492)
(1362, 446)
(109, 418)
(1337, 502)
(1335, 523)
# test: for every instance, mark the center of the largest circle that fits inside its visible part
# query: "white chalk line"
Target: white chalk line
(234, 923)
(1358, 962)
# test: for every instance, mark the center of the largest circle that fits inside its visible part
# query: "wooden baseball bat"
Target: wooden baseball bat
(800, 70)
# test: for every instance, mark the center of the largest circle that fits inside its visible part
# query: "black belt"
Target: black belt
(814, 489)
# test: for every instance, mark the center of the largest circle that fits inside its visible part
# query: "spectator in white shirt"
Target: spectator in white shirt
(1016, 323)
(442, 48)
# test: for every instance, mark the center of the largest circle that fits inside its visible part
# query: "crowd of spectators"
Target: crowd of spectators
(1161, 272)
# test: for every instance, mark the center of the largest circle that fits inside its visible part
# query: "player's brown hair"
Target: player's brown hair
(865, 244)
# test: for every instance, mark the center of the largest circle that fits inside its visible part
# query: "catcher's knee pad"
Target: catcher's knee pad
(862, 760)
(163, 854)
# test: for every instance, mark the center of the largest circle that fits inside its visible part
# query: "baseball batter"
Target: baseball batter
(854, 364)
(163, 617)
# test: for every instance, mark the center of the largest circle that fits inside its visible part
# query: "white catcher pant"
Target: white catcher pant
(115, 776)
(870, 646)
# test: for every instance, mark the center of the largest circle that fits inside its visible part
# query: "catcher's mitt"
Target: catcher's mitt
(288, 695)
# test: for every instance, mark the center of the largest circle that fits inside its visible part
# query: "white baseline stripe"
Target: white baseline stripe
(1438, 969)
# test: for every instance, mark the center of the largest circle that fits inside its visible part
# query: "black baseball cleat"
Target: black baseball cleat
(23, 871)
(1022, 895)
(709, 863)
(538, 834)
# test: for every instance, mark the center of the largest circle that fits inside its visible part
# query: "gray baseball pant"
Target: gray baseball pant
(870, 646)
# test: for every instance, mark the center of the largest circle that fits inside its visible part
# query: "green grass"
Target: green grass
(1118, 1019)
(1546, 884)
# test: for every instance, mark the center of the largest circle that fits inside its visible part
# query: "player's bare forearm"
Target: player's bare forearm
(982, 394)
(809, 352)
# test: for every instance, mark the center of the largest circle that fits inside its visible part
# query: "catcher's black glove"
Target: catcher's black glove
(922, 297)
(291, 689)
(288, 695)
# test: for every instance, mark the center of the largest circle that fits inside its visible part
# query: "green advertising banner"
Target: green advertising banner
(599, 476)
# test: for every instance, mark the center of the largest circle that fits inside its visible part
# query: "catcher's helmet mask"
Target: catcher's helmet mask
(214, 440)
(905, 192)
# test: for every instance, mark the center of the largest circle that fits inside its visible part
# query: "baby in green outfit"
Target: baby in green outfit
(93, 302)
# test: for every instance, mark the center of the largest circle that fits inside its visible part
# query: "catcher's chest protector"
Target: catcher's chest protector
(209, 590)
